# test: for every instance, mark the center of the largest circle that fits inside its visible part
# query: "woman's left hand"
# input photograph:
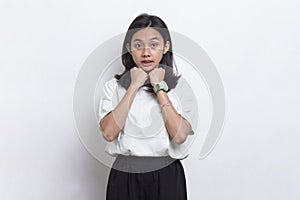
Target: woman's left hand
(156, 75)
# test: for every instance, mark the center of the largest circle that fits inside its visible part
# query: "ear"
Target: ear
(166, 47)
(128, 48)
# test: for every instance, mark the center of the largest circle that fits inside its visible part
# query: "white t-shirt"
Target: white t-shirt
(144, 132)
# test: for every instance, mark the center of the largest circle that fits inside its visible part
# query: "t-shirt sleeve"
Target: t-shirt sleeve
(187, 105)
(106, 99)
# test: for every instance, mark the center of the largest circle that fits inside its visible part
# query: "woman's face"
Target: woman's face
(147, 48)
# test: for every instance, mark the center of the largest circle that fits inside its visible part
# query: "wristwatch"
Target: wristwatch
(161, 86)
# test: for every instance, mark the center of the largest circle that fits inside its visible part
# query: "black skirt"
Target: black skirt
(146, 178)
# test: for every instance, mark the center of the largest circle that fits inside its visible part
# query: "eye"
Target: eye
(137, 45)
(154, 45)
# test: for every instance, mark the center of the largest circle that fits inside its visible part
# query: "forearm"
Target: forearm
(178, 128)
(112, 123)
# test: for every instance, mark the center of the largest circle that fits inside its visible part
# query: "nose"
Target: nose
(145, 52)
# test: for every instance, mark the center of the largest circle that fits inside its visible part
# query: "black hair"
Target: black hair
(142, 21)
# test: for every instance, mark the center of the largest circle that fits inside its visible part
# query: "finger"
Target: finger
(155, 69)
(139, 69)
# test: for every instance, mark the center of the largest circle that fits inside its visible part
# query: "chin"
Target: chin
(147, 69)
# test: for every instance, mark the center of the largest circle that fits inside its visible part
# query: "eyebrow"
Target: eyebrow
(154, 38)
(139, 40)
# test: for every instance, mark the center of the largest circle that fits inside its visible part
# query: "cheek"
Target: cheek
(134, 55)
(158, 56)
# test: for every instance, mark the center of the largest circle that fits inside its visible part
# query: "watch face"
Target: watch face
(161, 86)
(164, 85)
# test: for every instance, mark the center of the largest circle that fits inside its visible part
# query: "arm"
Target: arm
(113, 122)
(178, 128)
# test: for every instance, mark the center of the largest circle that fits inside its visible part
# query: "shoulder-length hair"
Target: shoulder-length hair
(167, 62)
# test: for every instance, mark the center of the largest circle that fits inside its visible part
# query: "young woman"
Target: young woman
(143, 119)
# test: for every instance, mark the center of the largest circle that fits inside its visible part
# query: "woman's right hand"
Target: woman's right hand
(138, 77)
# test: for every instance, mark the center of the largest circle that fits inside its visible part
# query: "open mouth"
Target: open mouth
(147, 62)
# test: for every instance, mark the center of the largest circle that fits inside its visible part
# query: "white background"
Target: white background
(254, 45)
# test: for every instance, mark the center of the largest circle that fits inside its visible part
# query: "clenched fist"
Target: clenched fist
(156, 75)
(138, 77)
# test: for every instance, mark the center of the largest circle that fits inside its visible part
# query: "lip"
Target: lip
(147, 62)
